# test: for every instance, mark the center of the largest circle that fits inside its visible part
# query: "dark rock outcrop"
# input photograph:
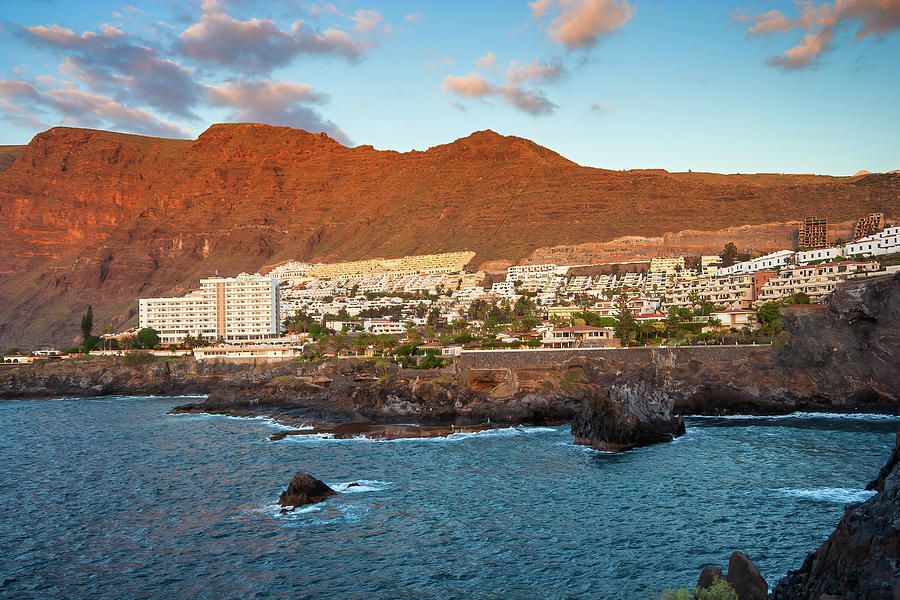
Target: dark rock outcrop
(304, 489)
(861, 559)
(627, 415)
(744, 577)
(708, 576)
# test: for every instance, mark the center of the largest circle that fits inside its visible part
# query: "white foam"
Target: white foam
(273, 509)
(827, 494)
(804, 415)
(360, 485)
(271, 422)
(453, 437)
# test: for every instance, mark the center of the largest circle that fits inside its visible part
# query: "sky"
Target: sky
(730, 86)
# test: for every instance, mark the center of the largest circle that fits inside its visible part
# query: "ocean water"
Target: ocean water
(113, 498)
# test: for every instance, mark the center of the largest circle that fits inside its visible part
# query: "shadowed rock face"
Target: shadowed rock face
(627, 415)
(861, 559)
(104, 218)
(304, 489)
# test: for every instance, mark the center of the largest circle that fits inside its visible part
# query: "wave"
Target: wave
(360, 485)
(271, 422)
(453, 437)
(804, 415)
(827, 494)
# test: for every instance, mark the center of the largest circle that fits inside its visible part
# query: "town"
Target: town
(425, 310)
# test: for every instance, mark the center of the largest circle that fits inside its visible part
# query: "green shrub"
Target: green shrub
(680, 594)
(137, 358)
(719, 590)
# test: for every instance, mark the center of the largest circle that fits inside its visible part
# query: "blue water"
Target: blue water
(112, 498)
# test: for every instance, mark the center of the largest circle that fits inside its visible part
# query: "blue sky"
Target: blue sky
(738, 86)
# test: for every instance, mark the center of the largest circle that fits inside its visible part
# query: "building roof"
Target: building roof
(580, 328)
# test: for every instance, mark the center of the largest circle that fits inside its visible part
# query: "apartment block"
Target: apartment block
(669, 266)
(813, 233)
(530, 272)
(243, 308)
(868, 225)
(816, 281)
(879, 244)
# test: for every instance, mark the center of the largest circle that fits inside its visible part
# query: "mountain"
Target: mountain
(102, 218)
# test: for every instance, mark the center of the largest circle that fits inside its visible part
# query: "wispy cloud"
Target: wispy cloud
(474, 85)
(821, 22)
(78, 108)
(129, 69)
(275, 103)
(257, 46)
(581, 23)
(487, 61)
(537, 70)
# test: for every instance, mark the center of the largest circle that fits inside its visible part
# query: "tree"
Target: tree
(624, 318)
(769, 318)
(148, 337)
(88, 341)
(87, 323)
(730, 255)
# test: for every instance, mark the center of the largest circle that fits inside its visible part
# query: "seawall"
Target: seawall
(528, 359)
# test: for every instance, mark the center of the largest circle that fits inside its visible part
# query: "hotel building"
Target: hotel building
(237, 309)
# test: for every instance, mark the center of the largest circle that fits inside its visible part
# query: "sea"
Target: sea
(115, 498)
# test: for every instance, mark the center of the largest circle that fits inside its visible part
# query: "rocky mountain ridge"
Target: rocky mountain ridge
(102, 218)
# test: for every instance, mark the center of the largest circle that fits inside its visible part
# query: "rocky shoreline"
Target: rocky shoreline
(843, 357)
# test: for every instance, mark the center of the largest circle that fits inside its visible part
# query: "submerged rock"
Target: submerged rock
(304, 489)
(861, 559)
(627, 416)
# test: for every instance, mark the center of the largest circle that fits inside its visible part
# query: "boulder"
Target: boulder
(708, 576)
(304, 489)
(744, 577)
(625, 416)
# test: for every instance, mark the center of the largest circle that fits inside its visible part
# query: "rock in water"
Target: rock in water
(304, 489)
(861, 559)
(744, 577)
(627, 416)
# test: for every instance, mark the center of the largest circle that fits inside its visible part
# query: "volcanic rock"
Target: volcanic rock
(708, 576)
(861, 559)
(744, 577)
(627, 415)
(304, 489)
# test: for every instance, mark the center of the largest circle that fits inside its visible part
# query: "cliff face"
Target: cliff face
(861, 559)
(103, 218)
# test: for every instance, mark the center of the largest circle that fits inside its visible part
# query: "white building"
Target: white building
(379, 326)
(242, 308)
(246, 352)
(819, 254)
(529, 272)
(775, 260)
(878, 244)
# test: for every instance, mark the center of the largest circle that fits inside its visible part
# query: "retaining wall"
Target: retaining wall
(524, 359)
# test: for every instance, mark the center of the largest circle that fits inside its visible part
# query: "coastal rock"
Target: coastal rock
(708, 576)
(627, 416)
(861, 559)
(304, 489)
(744, 577)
